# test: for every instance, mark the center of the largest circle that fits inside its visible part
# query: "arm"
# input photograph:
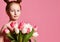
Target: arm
(1, 34)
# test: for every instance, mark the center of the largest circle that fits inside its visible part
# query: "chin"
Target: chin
(15, 19)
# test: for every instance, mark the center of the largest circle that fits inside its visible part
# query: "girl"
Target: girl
(13, 10)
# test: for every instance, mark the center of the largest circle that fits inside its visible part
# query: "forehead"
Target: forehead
(14, 6)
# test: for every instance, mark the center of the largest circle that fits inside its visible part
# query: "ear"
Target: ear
(19, 1)
(7, 1)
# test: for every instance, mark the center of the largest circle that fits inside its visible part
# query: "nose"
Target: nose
(15, 13)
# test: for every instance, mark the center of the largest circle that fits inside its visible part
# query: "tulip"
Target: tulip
(24, 31)
(21, 26)
(16, 25)
(27, 28)
(35, 34)
(16, 30)
(6, 31)
(12, 24)
(35, 28)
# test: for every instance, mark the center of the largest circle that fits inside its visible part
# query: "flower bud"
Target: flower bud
(6, 31)
(35, 34)
(16, 30)
(35, 28)
(24, 30)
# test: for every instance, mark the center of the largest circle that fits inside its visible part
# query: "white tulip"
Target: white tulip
(16, 30)
(16, 25)
(24, 31)
(28, 26)
(35, 34)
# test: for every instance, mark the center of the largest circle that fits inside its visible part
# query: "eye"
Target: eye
(18, 10)
(12, 10)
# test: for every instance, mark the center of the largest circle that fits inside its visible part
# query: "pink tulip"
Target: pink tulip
(28, 30)
(12, 24)
(35, 28)
(6, 31)
(20, 27)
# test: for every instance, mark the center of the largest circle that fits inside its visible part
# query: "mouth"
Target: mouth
(15, 16)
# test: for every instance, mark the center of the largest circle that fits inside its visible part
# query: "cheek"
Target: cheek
(12, 13)
(18, 13)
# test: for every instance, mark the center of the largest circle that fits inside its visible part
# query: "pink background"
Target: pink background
(44, 13)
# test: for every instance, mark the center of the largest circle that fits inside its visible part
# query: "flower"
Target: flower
(27, 28)
(24, 31)
(14, 24)
(35, 28)
(16, 30)
(6, 31)
(27, 25)
(35, 34)
(21, 25)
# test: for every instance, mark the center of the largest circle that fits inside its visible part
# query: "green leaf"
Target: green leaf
(14, 35)
(13, 41)
(20, 37)
(27, 36)
(9, 36)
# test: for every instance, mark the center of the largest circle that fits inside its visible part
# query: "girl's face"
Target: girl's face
(14, 11)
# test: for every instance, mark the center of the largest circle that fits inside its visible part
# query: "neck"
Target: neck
(13, 21)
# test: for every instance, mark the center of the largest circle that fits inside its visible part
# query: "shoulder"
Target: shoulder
(5, 25)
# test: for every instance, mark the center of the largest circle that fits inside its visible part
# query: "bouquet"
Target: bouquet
(21, 33)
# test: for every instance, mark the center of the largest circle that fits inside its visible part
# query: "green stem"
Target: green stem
(20, 37)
